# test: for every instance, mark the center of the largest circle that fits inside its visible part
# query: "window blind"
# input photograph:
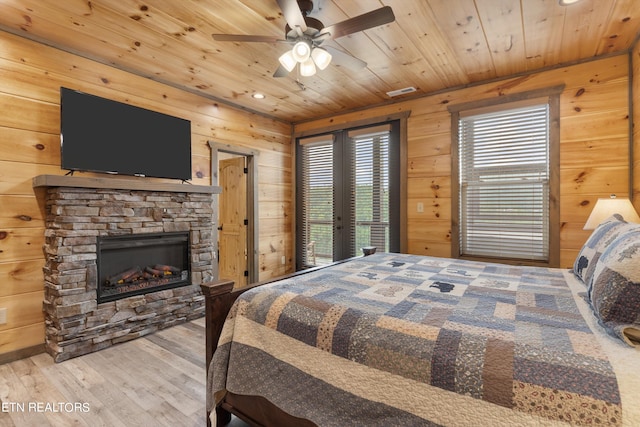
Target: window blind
(504, 183)
(370, 198)
(317, 200)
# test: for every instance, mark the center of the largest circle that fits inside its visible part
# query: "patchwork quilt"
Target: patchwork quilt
(395, 339)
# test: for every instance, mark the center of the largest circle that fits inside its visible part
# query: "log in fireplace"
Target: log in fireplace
(136, 264)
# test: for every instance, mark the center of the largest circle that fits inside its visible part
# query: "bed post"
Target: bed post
(218, 302)
(369, 250)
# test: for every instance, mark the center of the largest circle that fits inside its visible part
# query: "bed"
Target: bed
(398, 339)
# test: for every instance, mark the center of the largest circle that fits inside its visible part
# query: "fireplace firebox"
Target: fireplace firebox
(136, 264)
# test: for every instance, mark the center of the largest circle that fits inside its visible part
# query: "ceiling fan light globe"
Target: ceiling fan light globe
(307, 68)
(288, 61)
(321, 57)
(301, 51)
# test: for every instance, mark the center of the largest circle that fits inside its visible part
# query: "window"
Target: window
(348, 193)
(506, 163)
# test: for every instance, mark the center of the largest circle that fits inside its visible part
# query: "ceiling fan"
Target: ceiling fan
(307, 34)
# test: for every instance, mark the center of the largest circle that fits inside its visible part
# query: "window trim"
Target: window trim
(552, 96)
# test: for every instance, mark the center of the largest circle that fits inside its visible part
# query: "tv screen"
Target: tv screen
(102, 135)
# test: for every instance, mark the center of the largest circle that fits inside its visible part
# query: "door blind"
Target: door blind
(504, 183)
(317, 201)
(370, 199)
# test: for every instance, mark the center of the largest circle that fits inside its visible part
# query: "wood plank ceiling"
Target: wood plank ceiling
(432, 45)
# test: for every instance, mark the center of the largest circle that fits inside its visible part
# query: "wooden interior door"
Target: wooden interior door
(232, 224)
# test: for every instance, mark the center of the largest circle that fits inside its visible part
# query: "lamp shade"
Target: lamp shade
(604, 208)
(288, 61)
(307, 68)
(301, 51)
(321, 57)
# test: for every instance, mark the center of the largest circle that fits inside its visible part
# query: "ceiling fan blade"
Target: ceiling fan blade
(292, 14)
(245, 38)
(281, 72)
(339, 57)
(377, 17)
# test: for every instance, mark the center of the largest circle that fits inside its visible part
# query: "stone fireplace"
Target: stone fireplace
(123, 258)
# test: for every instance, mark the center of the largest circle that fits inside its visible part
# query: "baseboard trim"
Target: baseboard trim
(23, 353)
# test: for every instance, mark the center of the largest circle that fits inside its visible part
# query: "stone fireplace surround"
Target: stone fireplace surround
(78, 210)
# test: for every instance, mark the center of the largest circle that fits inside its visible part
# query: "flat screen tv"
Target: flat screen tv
(102, 135)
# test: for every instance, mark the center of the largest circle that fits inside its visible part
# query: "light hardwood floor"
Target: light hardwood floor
(157, 380)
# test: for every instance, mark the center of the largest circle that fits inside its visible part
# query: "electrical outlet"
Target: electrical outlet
(283, 260)
(420, 207)
(3, 316)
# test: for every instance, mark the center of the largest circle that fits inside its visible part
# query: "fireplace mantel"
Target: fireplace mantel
(120, 184)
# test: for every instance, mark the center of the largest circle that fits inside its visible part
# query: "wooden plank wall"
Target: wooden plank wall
(635, 61)
(594, 149)
(32, 74)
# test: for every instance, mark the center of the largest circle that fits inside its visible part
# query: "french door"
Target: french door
(347, 193)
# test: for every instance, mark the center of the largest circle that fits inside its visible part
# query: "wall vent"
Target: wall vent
(401, 91)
